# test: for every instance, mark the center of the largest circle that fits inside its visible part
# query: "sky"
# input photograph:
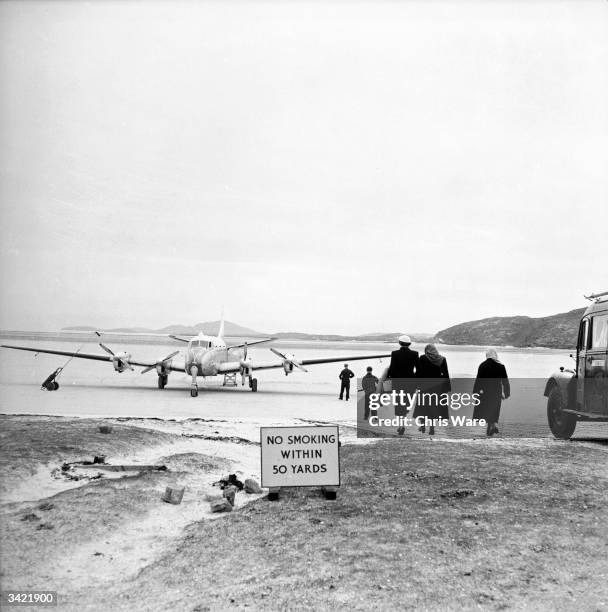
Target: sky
(331, 167)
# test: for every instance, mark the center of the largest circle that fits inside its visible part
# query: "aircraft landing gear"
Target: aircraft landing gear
(253, 384)
(193, 386)
(162, 381)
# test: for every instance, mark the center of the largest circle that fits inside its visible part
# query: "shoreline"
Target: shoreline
(83, 338)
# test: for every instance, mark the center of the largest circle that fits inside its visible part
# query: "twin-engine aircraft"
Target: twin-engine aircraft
(205, 356)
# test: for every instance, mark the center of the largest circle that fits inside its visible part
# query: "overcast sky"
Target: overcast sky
(341, 167)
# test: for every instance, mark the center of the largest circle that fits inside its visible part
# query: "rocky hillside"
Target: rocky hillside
(555, 331)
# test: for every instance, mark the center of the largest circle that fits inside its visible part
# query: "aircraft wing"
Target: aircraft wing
(235, 366)
(81, 355)
(232, 346)
(176, 337)
(143, 335)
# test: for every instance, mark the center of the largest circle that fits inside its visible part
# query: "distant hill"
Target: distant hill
(374, 337)
(555, 331)
(209, 328)
(392, 336)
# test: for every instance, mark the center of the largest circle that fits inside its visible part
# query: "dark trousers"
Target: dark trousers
(345, 386)
(367, 402)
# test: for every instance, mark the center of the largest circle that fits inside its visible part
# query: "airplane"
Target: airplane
(205, 356)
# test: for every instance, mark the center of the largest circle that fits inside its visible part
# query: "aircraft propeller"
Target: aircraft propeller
(160, 364)
(245, 365)
(119, 360)
(289, 360)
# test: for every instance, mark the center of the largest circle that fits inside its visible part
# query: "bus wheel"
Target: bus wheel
(562, 424)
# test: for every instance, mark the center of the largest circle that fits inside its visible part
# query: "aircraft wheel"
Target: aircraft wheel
(562, 424)
(254, 384)
(194, 392)
(162, 381)
(55, 386)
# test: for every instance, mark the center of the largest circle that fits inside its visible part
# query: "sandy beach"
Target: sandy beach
(436, 524)
(417, 521)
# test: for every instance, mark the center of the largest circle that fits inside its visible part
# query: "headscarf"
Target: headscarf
(432, 354)
(492, 354)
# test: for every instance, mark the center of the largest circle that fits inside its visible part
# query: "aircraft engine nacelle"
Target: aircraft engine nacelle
(163, 367)
(288, 364)
(120, 361)
(288, 367)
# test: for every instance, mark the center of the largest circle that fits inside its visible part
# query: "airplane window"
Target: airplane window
(599, 329)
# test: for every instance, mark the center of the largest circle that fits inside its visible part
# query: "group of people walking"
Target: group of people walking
(429, 373)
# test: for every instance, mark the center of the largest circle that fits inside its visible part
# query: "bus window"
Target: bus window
(599, 332)
(583, 335)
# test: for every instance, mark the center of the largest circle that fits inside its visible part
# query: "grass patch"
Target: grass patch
(529, 532)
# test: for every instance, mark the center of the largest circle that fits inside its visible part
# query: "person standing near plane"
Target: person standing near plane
(345, 376)
(403, 367)
(368, 384)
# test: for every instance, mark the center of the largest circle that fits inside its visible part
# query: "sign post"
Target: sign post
(300, 457)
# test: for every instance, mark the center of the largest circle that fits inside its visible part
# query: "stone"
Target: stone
(251, 486)
(210, 497)
(221, 505)
(230, 493)
(173, 495)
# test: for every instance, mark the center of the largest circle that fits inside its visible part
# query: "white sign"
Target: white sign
(300, 456)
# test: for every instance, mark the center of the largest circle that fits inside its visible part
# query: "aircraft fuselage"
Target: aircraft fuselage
(207, 354)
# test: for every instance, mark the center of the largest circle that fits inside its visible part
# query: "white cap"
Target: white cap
(404, 339)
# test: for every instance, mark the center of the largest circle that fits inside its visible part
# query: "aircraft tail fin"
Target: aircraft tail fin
(220, 333)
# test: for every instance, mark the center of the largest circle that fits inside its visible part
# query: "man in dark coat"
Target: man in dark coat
(404, 363)
(492, 384)
(345, 376)
(368, 383)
